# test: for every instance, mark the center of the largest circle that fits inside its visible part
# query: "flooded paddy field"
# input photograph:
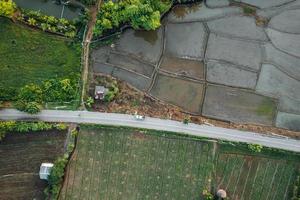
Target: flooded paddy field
(50, 7)
(187, 94)
(219, 46)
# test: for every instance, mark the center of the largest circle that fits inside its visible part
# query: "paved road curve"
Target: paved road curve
(154, 123)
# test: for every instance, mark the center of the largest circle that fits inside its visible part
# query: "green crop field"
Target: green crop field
(31, 56)
(120, 163)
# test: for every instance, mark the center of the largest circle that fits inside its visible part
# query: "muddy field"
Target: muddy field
(21, 155)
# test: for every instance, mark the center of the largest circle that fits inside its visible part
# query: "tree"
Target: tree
(7, 8)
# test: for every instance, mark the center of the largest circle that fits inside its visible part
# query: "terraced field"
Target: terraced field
(111, 163)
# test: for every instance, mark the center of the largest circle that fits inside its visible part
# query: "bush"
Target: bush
(23, 127)
(31, 96)
(207, 195)
(249, 10)
(56, 176)
(7, 8)
(255, 147)
(140, 14)
(113, 91)
(48, 23)
(30, 93)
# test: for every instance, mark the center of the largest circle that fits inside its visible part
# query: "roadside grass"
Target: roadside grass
(31, 56)
(126, 163)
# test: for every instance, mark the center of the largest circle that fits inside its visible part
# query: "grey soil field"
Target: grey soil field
(216, 43)
(238, 106)
(187, 94)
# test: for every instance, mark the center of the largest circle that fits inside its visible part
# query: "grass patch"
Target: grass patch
(126, 163)
(30, 56)
(249, 10)
(267, 108)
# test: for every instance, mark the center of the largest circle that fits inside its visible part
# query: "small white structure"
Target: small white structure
(45, 170)
(100, 92)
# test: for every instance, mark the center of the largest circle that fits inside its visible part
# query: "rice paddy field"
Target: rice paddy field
(120, 163)
(31, 56)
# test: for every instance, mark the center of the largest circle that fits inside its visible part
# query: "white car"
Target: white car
(139, 117)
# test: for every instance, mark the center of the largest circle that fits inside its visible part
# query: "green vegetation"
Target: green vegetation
(140, 14)
(255, 147)
(267, 107)
(126, 163)
(89, 102)
(186, 120)
(32, 96)
(23, 127)
(32, 57)
(296, 189)
(207, 195)
(113, 90)
(7, 8)
(48, 23)
(88, 2)
(248, 10)
(55, 178)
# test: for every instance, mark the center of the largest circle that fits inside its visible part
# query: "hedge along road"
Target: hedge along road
(154, 123)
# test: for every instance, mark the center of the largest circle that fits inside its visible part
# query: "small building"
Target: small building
(45, 170)
(100, 92)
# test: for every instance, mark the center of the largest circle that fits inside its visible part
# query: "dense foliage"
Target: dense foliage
(48, 23)
(88, 2)
(55, 178)
(255, 147)
(30, 56)
(31, 96)
(296, 189)
(7, 8)
(23, 127)
(113, 90)
(140, 14)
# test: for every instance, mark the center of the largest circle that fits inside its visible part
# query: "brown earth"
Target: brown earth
(21, 155)
(129, 100)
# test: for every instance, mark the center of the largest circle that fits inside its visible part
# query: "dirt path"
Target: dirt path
(86, 48)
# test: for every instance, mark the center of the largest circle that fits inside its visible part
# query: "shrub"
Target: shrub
(32, 107)
(144, 14)
(89, 101)
(186, 120)
(48, 23)
(207, 195)
(7, 8)
(249, 10)
(255, 147)
(23, 127)
(30, 93)
(56, 176)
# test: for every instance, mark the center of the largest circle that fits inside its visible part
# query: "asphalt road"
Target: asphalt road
(155, 123)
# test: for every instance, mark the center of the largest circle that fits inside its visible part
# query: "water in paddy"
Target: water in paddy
(49, 7)
(179, 11)
(182, 11)
(149, 36)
